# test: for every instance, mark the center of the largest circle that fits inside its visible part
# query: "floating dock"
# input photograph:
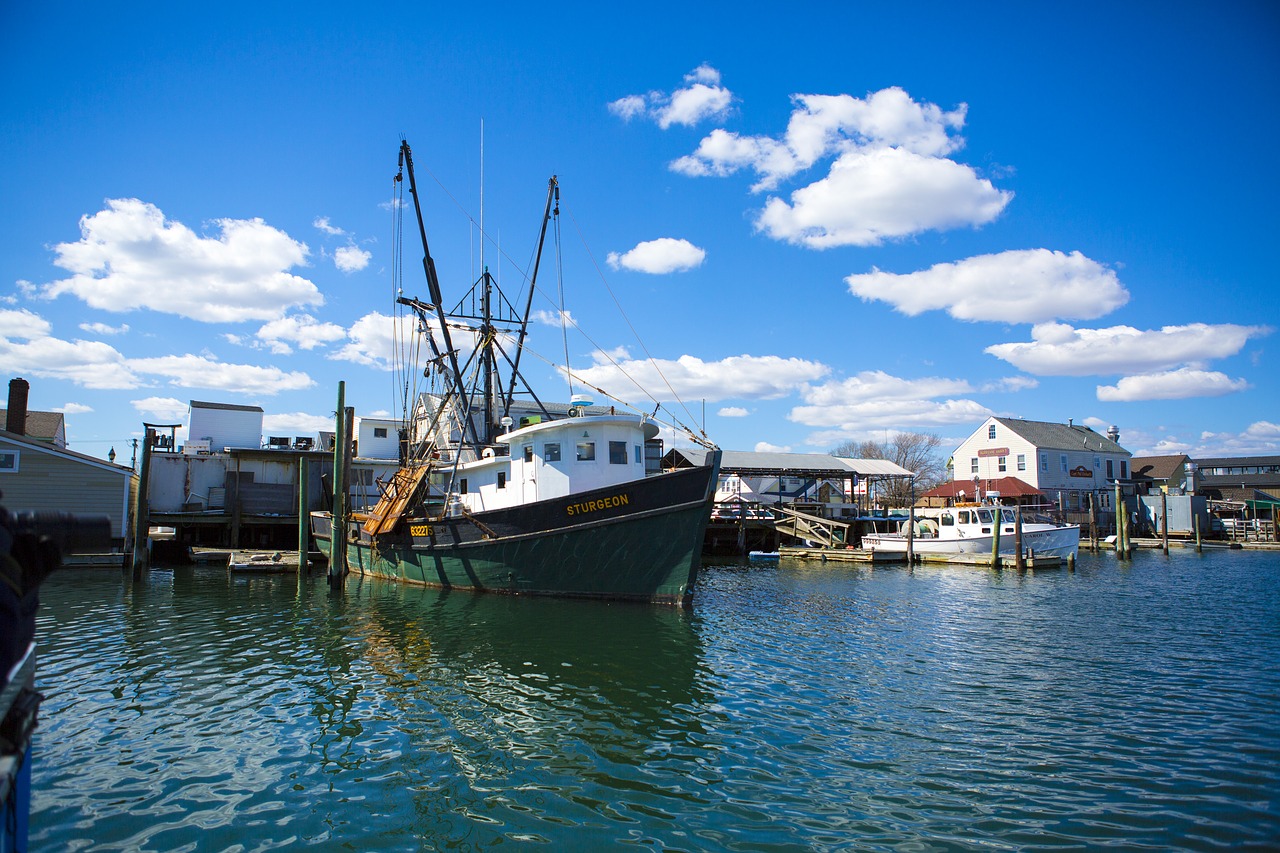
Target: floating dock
(263, 562)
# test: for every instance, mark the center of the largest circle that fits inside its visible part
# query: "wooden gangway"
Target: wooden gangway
(810, 528)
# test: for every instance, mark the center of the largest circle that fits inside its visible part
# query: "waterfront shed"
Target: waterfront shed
(225, 425)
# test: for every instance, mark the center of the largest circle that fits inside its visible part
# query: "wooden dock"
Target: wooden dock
(857, 555)
(841, 555)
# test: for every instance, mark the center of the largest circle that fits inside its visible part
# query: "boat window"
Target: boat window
(551, 451)
(528, 453)
(586, 451)
(1007, 515)
(639, 455)
(946, 519)
(617, 453)
(502, 479)
(984, 515)
(964, 517)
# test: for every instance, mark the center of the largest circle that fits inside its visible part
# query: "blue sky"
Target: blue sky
(827, 222)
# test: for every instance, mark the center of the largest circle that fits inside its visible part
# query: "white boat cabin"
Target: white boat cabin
(556, 458)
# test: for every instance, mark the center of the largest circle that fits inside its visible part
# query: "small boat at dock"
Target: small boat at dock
(972, 529)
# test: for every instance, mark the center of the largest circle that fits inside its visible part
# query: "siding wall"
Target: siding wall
(226, 427)
(49, 481)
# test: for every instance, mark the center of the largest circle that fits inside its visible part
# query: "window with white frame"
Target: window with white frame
(9, 461)
(973, 465)
(1001, 463)
(991, 431)
(1022, 461)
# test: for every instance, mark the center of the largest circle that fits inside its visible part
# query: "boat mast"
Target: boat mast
(553, 193)
(433, 285)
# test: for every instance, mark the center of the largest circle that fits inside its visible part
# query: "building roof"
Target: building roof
(198, 404)
(1004, 486)
(44, 447)
(794, 464)
(1156, 467)
(1236, 461)
(1069, 436)
(44, 425)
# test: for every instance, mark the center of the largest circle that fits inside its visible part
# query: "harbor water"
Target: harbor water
(808, 706)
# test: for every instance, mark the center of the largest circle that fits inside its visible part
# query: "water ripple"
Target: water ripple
(798, 707)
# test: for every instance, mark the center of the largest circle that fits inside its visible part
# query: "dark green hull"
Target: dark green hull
(641, 541)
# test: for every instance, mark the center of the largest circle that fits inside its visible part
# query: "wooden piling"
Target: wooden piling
(1018, 562)
(141, 556)
(911, 534)
(1164, 520)
(338, 529)
(304, 518)
(1119, 523)
(995, 537)
(1093, 520)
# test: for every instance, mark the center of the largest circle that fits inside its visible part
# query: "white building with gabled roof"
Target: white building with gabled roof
(1071, 460)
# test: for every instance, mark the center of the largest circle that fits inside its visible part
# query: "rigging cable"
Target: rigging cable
(564, 328)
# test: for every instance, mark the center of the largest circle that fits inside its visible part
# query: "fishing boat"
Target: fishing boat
(499, 491)
(971, 530)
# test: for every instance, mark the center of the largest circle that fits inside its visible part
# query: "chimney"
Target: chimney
(16, 419)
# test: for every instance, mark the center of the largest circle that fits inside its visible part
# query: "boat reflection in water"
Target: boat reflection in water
(491, 696)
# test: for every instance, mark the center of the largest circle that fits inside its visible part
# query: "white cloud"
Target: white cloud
(129, 257)
(351, 259)
(701, 97)
(1261, 438)
(166, 409)
(74, 409)
(664, 255)
(23, 325)
(552, 318)
(1010, 385)
(766, 447)
(104, 329)
(733, 412)
(1178, 384)
(1019, 286)
(196, 371)
(1057, 349)
(891, 176)
(875, 401)
(300, 330)
(873, 196)
(89, 364)
(295, 423)
(375, 340)
(826, 125)
(322, 224)
(741, 377)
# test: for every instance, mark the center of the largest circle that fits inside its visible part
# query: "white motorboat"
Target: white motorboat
(970, 530)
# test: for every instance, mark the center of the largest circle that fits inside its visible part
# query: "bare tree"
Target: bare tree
(915, 451)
